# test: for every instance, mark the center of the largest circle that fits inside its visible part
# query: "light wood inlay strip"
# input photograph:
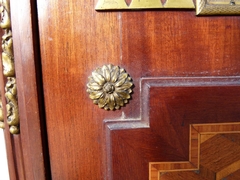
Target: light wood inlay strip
(228, 170)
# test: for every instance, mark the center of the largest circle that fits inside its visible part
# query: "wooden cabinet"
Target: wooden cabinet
(183, 114)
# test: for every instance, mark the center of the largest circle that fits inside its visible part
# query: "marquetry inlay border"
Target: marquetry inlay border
(196, 130)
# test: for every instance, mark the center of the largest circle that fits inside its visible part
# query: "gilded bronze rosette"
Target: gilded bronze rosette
(109, 87)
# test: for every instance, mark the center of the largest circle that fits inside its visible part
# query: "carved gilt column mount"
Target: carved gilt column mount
(9, 69)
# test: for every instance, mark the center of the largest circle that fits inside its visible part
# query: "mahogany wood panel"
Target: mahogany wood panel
(27, 152)
(169, 107)
(75, 39)
(177, 43)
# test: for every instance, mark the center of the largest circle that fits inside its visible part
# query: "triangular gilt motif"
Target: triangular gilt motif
(128, 2)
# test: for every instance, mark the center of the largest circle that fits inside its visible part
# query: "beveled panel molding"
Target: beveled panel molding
(9, 69)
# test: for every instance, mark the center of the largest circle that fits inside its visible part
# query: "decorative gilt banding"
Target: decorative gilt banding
(143, 4)
(109, 87)
(9, 69)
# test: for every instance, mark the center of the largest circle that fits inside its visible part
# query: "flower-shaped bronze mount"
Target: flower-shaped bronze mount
(109, 87)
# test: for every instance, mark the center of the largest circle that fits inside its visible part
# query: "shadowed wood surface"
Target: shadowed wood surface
(75, 39)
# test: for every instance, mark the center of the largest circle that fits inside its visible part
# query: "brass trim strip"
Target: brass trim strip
(143, 4)
(9, 69)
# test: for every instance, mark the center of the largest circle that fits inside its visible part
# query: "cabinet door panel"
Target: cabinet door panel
(173, 56)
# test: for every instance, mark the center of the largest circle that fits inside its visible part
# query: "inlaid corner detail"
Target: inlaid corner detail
(109, 87)
(205, 139)
(9, 69)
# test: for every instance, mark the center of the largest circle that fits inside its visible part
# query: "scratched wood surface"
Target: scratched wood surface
(75, 39)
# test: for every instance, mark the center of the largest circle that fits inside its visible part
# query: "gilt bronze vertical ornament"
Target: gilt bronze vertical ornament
(9, 69)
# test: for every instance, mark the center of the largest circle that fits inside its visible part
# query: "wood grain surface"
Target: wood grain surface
(75, 39)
